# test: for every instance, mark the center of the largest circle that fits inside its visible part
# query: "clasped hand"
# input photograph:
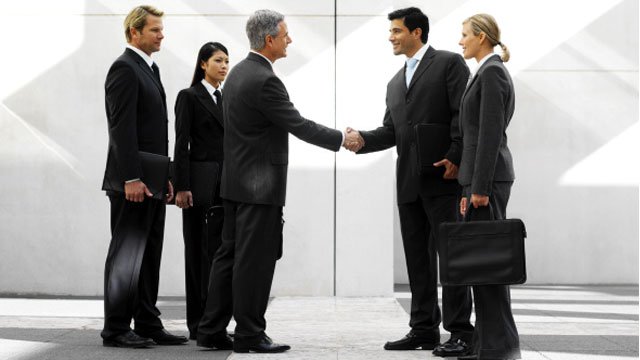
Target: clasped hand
(353, 141)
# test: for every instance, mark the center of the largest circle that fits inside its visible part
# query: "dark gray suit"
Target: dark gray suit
(258, 118)
(426, 200)
(487, 169)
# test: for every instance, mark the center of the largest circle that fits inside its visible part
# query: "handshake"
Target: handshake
(353, 141)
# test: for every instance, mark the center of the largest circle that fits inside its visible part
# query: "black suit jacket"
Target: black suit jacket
(258, 118)
(136, 114)
(433, 96)
(485, 112)
(199, 132)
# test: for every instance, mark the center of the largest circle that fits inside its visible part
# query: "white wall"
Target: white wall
(576, 75)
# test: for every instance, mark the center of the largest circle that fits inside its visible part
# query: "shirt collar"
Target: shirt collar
(209, 87)
(420, 53)
(255, 52)
(142, 54)
(481, 62)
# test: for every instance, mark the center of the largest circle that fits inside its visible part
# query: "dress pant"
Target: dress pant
(496, 335)
(132, 268)
(419, 223)
(242, 270)
(202, 233)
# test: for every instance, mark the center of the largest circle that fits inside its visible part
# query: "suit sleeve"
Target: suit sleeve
(457, 77)
(184, 119)
(121, 91)
(493, 96)
(277, 108)
(381, 138)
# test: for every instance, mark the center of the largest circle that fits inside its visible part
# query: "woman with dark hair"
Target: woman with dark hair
(199, 133)
(486, 173)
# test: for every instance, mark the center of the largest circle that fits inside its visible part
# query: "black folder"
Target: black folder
(203, 180)
(433, 141)
(155, 174)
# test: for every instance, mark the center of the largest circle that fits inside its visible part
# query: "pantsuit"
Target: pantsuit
(496, 335)
(486, 169)
(199, 134)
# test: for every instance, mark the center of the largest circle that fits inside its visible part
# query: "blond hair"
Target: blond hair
(485, 23)
(137, 18)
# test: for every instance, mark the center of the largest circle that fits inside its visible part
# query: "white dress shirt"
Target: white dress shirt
(211, 89)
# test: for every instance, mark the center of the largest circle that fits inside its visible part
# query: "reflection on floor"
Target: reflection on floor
(555, 322)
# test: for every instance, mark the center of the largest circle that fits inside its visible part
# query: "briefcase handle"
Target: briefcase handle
(481, 213)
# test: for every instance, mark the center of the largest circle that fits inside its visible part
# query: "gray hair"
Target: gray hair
(261, 24)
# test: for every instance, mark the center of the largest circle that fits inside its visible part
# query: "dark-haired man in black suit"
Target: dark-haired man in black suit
(427, 90)
(137, 118)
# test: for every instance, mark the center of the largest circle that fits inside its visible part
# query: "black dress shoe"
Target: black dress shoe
(128, 340)
(163, 337)
(262, 345)
(220, 341)
(453, 347)
(411, 341)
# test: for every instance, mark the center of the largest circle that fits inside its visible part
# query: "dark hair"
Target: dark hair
(206, 52)
(413, 18)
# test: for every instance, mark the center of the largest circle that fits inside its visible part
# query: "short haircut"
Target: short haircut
(137, 18)
(261, 24)
(413, 18)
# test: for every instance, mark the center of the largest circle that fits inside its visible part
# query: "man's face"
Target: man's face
(281, 41)
(404, 42)
(149, 39)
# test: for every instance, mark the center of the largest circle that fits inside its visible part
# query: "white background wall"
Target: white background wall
(573, 136)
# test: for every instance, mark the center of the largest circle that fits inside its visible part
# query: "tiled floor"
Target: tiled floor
(555, 322)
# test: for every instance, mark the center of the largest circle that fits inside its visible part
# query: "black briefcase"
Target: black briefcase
(486, 252)
(155, 175)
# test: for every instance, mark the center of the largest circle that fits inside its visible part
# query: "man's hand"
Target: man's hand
(353, 141)
(479, 200)
(463, 206)
(451, 170)
(184, 199)
(136, 190)
(169, 191)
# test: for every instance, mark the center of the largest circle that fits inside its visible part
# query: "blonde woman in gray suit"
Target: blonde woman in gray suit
(486, 172)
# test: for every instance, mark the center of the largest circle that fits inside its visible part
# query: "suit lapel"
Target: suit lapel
(475, 76)
(207, 101)
(422, 67)
(145, 69)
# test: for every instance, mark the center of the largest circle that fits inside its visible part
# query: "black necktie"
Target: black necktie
(156, 71)
(218, 96)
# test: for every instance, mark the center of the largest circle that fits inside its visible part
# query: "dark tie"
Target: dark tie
(218, 96)
(156, 71)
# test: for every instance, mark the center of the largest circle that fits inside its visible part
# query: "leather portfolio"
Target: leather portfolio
(433, 142)
(486, 252)
(155, 174)
(203, 181)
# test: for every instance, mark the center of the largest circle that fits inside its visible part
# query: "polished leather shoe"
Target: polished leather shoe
(127, 340)
(452, 347)
(263, 345)
(163, 337)
(411, 341)
(220, 341)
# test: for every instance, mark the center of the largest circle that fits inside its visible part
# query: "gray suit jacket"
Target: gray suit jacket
(485, 112)
(433, 97)
(258, 118)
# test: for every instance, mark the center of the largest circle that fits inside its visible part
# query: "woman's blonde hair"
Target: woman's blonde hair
(485, 23)
(137, 18)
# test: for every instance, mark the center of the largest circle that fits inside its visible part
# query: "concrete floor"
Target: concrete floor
(555, 322)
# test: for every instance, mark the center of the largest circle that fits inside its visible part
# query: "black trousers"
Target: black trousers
(419, 221)
(242, 271)
(132, 268)
(496, 335)
(202, 233)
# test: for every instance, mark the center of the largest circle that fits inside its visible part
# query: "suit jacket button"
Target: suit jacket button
(408, 101)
